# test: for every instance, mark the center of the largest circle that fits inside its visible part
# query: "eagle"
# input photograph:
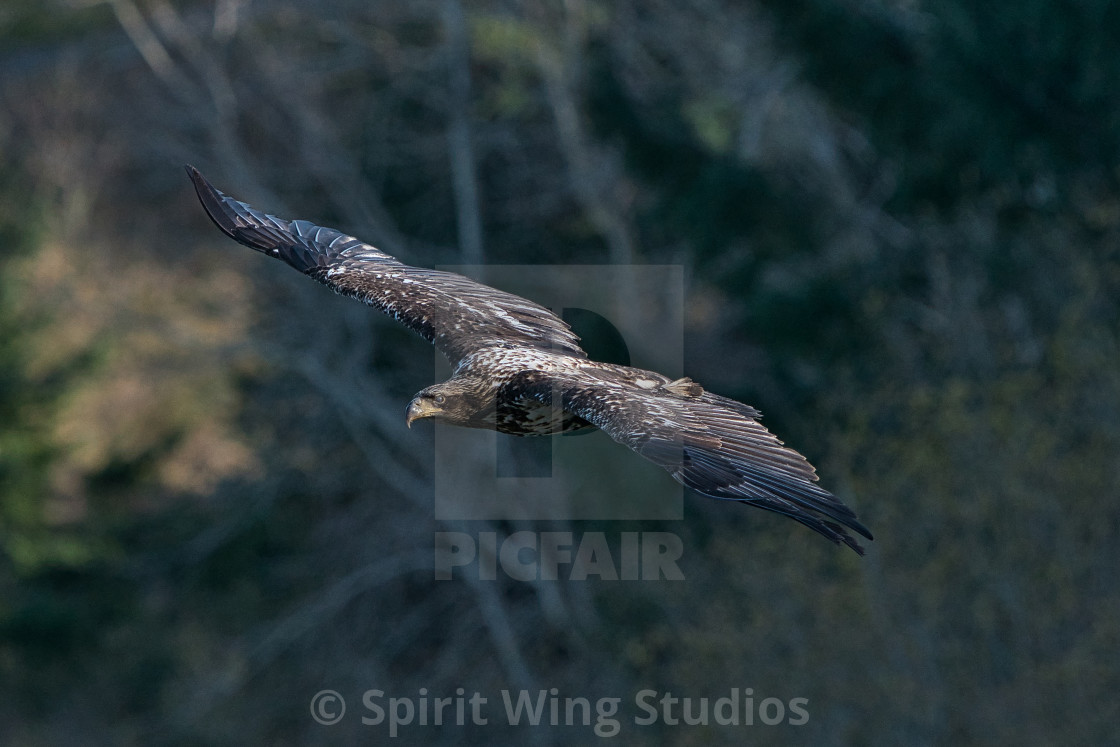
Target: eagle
(519, 369)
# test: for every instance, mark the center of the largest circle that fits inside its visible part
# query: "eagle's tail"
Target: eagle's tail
(300, 243)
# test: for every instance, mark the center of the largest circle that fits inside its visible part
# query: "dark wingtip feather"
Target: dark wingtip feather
(831, 530)
(845, 538)
(828, 529)
(211, 200)
(264, 233)
(861, 529)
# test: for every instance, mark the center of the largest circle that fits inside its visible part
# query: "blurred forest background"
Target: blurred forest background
(899, 222)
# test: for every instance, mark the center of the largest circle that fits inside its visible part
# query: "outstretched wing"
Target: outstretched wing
(709, 443)
(455, 313)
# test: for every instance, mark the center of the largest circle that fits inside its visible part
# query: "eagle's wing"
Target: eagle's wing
(709, 443)
(453, 312)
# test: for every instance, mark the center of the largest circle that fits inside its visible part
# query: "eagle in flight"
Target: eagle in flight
(519, 369)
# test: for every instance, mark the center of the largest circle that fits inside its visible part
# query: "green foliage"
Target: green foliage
(26, 405)
(28, 23)
(970, 97)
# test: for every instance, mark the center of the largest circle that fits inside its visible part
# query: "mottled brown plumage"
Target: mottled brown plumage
(518, 368)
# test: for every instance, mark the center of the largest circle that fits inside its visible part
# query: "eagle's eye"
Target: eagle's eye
(440, 399)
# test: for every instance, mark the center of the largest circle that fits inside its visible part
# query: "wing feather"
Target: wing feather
(458, 315)
(709, 443)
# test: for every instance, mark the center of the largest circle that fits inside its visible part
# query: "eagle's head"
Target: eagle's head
(453, 402)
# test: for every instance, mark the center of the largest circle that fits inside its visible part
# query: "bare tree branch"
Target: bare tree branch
(459, 137)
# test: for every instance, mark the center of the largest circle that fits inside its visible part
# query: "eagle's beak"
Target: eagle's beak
(420, 408)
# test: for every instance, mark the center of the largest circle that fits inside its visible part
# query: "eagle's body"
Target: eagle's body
(519, 369)
(520, 380)
(502, 376)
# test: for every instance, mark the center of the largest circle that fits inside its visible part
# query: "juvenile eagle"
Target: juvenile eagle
(518, 368)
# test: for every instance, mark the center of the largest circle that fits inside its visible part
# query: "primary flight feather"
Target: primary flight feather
(518, 368)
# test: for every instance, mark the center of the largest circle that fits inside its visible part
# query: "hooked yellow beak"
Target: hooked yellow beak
(420, 408)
